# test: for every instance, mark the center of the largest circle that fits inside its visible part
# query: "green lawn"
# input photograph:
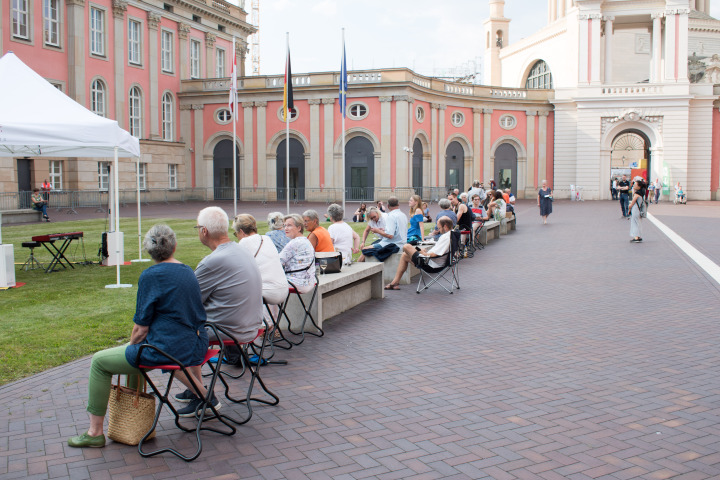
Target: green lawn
(68, 314)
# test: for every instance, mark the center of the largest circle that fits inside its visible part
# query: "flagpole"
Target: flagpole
(287, 125)
(343, 71)
(234, 118)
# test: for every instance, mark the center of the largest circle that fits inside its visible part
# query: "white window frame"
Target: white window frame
(225, 112)
(135, 39)
(51, 22)
(420, 114)
(167, 51)
(507, 122)
(20, 19)
(294, 113)
(172, 176)
(195, 57)
(96, 41)
(357, 116)
(98, 97)
(219, 62)
(56, 174)
(142, 175)
(103, 176)
(168, 117)
(457, 119)
(135, 110)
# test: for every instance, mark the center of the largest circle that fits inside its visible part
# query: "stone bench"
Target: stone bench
(25, 215)
(507, 225)
(338, 292)
(489, 231)
(390, 266)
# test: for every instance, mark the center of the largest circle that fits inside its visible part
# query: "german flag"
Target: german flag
(287, 93)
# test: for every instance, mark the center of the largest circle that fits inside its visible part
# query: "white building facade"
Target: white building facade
(634, 87)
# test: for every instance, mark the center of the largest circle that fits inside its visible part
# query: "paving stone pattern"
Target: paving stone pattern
(568, 353)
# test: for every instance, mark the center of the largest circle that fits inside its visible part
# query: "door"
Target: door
(223, 169)
(297, 170)
(359, 169)
(417, 167)
(454, 165)
(506, 167)
(24, 172)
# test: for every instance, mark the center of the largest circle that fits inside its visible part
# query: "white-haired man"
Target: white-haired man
(230, 286)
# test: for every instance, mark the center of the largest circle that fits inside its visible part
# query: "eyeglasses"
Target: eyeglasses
(289, 225)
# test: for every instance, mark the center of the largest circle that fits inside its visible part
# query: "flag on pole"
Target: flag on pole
(288, 93)
(343, 82)
(232, 102)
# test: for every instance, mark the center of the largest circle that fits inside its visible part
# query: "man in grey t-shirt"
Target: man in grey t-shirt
(229, 278)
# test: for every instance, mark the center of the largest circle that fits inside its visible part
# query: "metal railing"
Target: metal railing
(71, 200)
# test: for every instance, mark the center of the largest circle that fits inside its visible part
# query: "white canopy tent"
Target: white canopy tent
(38, 120)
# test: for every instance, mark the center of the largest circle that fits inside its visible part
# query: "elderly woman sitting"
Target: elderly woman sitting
(298, 256)
(344, 238)
(319, 236)
(276, 230)
(274, 283)
(169, 314)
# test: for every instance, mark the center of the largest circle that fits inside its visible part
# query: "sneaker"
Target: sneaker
(85, 440)
(186, 396)
(636, 240)
(193, 407)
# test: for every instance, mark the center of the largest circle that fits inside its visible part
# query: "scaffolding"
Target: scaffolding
(255, 37)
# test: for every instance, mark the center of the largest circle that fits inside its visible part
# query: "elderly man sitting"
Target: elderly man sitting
(394, 236)
(412, 253)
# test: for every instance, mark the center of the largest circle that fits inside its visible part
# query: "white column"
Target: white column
(183, 68)
(526, 176)
(656, 74)
(552, 9)
(542, 148)
(670, 34)
(312, 171)
(209, 55)
(562, 9)
(247, 161)
(595, 43)
(477, 171)
(608, 48)
(261, 143)
(433, 144)
(382, 174)
(403, 159)
(119, 58)
(682, 53)
(441, 144)
(331, 180)
(153, 21)
(698, 5)
(488, 166)
(583, 50)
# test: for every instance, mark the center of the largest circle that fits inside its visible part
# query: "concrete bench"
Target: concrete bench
(489, 231)
(338, 292)
(390, 266)
(507, 225)
(25, 215)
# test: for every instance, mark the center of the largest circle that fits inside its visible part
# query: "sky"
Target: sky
(430, 37)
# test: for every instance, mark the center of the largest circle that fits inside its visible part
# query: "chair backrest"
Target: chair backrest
(455, 246)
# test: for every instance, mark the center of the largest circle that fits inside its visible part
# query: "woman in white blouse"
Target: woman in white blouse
(298, 256)
(344, 238)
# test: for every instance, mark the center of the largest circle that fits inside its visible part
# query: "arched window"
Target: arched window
(135, 112)
(168, 125)
(97, 97)
(539, 76)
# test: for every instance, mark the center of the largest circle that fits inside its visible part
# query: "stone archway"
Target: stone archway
(223, 168)
(296, 170)
(359, 169)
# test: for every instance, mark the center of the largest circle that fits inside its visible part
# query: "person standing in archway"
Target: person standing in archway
(624, 191)
(545, 201)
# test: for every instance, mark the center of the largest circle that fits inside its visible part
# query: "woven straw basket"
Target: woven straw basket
(131, 414)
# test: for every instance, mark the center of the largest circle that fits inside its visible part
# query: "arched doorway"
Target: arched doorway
(359, 169)
(222, 170)
(297, 170)
(454, 166)
(417, 167)
(506, 167)
(630, 155)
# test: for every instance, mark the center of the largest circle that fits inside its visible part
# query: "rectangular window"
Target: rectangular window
(97, 31)
(194, 59)
(51, 22)
(103, 176)
(167, 52)
(56, 174)
(134, 42)
(219, 63)
(20, 19)
(172, 176)
(142, 176)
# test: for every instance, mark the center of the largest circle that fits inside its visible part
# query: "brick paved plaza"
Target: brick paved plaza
(568, 353)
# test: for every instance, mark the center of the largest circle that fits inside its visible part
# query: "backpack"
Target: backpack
(642, 207)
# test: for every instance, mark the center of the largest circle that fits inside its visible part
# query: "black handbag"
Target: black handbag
(331, 260)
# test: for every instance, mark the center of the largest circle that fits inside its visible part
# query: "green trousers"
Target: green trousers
(105, 364)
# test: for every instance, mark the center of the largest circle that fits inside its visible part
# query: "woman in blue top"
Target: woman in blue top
(169, 314)
(417, 228)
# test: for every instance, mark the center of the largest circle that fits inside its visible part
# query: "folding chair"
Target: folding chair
(31, 262)
(307, 308)
(467, 248)
(174, 366)
(247, 365)
(449, 269)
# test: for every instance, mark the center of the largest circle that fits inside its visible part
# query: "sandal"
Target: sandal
(390, 286)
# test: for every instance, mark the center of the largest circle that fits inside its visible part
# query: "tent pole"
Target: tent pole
(118, 234)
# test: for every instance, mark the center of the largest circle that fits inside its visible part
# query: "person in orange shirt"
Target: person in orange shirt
(319, 236)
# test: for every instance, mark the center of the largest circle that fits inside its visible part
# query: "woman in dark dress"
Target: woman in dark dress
(545, 201)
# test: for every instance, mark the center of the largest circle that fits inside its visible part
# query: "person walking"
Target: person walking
(658, 190)
(545, 201)
(637, 202)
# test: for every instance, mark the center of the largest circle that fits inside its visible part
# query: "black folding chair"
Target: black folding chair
(307, 308)
(174, 366)
(477, 228)
(247, 366)
(448, 275)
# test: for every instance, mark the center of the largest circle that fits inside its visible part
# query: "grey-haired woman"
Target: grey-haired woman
(276, 230)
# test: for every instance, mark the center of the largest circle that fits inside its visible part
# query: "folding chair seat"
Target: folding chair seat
(174, 366)
(247, 365)
(306, 307)
(467, 248)
(448, 275)
(31, 263)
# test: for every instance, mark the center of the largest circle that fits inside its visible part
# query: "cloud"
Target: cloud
(327, 8)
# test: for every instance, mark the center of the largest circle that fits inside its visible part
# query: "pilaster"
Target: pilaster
(403, 158)
(153, 21)
(76, 49)
(656, 64)
(608, 48)
(246, 164)
(442, 166)
(209, 55)
(670, 51)
(488, 164)
(526, 172)
(542, 148)
(259, 168)
(383, 173)
(331, 172)
(203, 168)
(477, 168)
(312, 169)
(185, 133)
(183, 34)
(119, 9)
